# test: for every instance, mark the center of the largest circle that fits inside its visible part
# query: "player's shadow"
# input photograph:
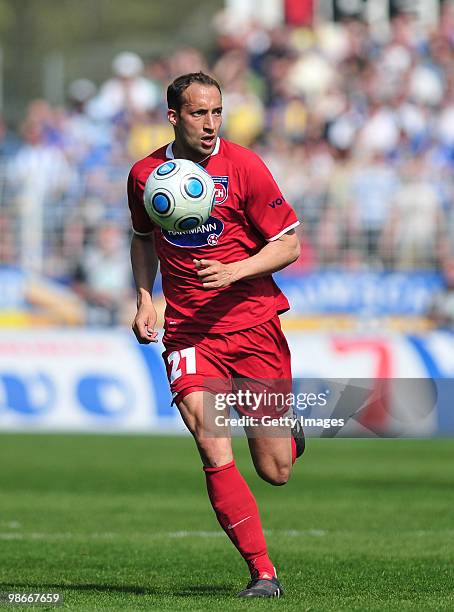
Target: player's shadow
(189, 591)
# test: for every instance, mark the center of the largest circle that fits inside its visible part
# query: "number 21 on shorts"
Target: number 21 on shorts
(181, 362)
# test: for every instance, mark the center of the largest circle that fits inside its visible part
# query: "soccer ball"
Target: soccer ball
(179, 195)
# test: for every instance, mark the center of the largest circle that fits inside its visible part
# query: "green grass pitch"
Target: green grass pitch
(123, 523)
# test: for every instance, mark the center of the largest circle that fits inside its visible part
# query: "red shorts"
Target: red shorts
(259, 352)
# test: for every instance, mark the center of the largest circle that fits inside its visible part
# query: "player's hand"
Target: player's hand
(214, 274)
(144, 324)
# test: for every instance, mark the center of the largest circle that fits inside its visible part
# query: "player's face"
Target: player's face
(198, 122)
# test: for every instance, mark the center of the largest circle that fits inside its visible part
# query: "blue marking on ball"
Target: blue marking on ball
(194, 187)
(165, 169)
(161, 203)
(188, 224)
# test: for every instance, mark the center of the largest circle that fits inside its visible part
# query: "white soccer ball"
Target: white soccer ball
(179, 195)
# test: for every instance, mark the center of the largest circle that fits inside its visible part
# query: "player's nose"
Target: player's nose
(209, 122)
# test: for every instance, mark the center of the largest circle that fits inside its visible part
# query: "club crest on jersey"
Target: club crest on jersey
(206, 235)
(221, 184)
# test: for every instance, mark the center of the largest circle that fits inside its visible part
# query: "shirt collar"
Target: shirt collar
(170, 155)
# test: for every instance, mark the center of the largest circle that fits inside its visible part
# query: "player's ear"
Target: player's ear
(172, 116)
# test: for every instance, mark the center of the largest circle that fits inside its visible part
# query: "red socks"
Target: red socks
(293, 449)
(237, 513)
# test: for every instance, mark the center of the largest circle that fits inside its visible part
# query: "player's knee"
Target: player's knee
(276, 476)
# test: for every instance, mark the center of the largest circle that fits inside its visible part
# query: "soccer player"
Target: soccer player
(222, 305)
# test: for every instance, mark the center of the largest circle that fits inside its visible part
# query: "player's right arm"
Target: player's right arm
(144, 262)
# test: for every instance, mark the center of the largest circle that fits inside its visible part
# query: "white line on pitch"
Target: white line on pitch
(292, 533)
(34, 535)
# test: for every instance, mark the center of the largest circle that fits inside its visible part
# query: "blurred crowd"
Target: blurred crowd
(355, 122)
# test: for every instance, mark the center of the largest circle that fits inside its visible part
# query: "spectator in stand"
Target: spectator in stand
(336, 231)
(39, 177)
(415, 220)
(373, 188)
(83, 137)
(102, 277)
(127, 92)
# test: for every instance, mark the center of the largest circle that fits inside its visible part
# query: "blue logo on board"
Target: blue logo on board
(206, 235)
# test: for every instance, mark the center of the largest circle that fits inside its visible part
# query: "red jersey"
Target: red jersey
(249, 212)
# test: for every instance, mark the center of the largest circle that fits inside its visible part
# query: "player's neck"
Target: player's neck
(180, 152)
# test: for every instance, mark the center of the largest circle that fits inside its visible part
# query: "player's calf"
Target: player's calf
(272, 458)
(214, 448)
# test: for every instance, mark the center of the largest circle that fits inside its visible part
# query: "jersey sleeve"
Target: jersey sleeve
(266, 207)
(141, 222)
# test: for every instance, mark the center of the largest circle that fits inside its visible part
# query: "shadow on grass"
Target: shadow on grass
(189, 591)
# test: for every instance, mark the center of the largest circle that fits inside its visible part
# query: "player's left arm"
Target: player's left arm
(274, 256)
